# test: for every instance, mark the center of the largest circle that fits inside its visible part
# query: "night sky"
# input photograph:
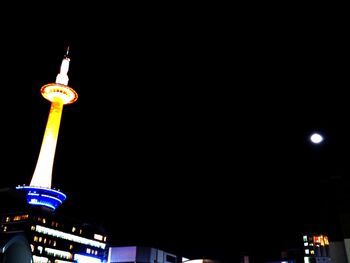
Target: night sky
(190, 133)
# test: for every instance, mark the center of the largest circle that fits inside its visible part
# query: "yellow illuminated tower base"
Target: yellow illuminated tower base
(39, 191)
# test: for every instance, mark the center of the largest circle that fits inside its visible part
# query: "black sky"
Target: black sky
(190, 130)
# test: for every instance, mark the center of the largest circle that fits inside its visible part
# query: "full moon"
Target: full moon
(316, 138)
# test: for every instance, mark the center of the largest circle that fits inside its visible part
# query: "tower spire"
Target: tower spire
(62, 76)
(59, 94)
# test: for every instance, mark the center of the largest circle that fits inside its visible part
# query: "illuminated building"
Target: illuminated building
(31, 227)
(316, 248)
(312, 248)
(54, 238)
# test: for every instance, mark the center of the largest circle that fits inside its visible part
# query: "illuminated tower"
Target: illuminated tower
(39, 192)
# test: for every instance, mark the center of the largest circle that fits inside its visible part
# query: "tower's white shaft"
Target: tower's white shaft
(43, 172)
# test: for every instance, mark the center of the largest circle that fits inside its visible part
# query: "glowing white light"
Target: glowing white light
(316, 138)
(67, 236)
(60, 253)
(98, 237)
(62, 77)
(86, 259)
(40, 259)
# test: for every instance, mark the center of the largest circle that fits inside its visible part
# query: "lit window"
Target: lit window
(325, 238)
(40, 249)
(316, 239)
(306, 244)
(73, 229)
(322, 240)
(98, 237)
(37, 259)
(60, 253)
(87, 259)
(70, 237)
(307, 252)
(305, 238)
(20, 217)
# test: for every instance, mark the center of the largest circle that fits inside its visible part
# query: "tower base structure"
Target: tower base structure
(42, 196)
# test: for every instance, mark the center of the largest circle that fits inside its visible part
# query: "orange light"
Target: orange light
(322, 240)
(326, 242)
(59, 95)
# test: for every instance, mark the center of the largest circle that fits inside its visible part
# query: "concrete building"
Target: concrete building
(139, 254)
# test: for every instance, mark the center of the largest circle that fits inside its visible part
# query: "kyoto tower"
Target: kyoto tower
(39, 192)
